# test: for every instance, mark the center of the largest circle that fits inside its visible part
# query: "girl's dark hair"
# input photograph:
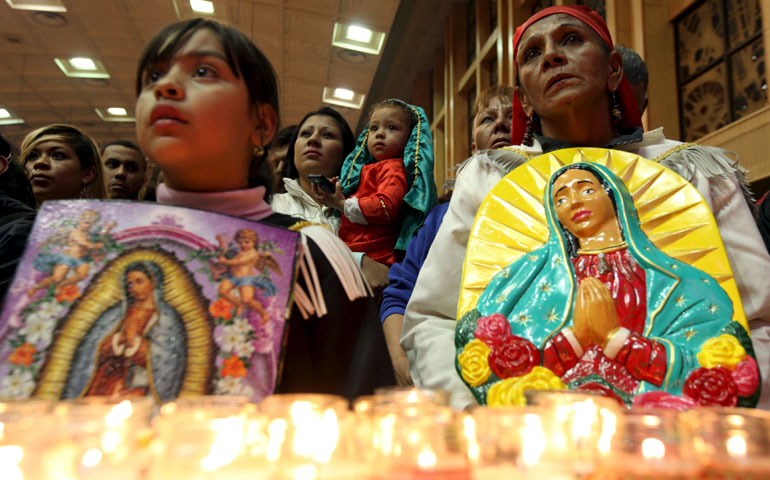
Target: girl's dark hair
(573, 244)
(348, 140)
(245, 60)
(400, 104)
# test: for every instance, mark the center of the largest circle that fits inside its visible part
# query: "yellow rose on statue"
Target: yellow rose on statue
(474, 364)
(722, 351)
(510, 392)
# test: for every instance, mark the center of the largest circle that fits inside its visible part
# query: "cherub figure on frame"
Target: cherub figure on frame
(79, 245)
(248, 270)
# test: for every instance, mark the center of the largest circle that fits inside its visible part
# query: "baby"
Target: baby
(380, 193)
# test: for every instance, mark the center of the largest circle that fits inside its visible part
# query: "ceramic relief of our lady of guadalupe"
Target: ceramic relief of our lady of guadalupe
(601, 271)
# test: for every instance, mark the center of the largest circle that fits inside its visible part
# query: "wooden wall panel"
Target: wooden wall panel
(749, 137)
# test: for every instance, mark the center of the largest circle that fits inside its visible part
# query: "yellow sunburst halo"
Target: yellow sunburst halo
(511, 220)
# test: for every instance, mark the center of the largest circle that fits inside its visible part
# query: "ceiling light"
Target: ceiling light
(202, 6)
(343, 97)
(82, 63)
(82, 67)
(358, 38)
(37, 5)
(114, 114)
(8, 118)
(344, 93)
(358, 34)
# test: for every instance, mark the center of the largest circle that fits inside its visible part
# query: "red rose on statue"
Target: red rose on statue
(746, 376)
(492, 330)
(712, 386)
(513, 357)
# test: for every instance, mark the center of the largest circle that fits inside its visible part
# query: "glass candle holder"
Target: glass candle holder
(527, 443)
(311, 437)
(75, 439)
(22, 436)
(731, 442)
(206, 437)
(589, 422)
(651, 444)
(417, 441)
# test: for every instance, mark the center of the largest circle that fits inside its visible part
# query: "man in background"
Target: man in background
(636, 72)
(17, 213)
(124, 169)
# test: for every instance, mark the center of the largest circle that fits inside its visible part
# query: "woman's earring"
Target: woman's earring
(617, 113)
(527, 139)
(258, 151)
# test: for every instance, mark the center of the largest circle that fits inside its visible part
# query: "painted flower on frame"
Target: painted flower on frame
(18, 384)
(68, 293)
(241, 325)
(230, 386)
(38, 329)
(232, 339)
(51, 310)
(23, 355)
(221, 308)
(233, 367)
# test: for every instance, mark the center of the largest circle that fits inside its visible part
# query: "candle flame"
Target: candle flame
(469, 429)
(412, 397)
(305, 472)
(119, 414)
(736, 445)
(386, 432)
(534, 440)
(315, 435)
(227, 443)
(110, 441)
(584, 416)
(653, 448)
(426, 458)
(10, 458)
(92, 458)
(276, 433)
(609, 426)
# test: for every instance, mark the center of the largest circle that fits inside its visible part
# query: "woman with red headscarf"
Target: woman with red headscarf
(571, 91)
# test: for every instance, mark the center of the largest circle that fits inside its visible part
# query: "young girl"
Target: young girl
(206, 108)
(62, 163)
(387, 187)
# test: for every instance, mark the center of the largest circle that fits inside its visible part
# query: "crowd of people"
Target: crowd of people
(208, 135)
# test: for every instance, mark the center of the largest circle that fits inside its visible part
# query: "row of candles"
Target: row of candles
(396, 433)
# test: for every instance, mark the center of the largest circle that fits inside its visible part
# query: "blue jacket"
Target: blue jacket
(403, 275)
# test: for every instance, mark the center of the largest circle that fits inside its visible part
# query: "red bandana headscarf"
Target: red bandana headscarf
(631, 116)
